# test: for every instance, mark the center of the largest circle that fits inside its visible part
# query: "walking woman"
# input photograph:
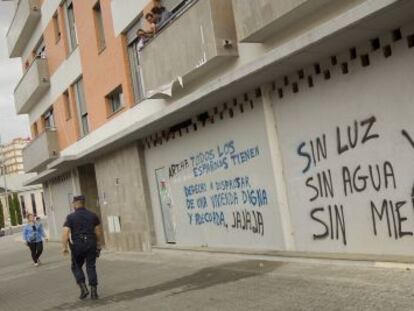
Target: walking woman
(33, 235)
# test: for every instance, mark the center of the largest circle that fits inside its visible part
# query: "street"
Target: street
(178, 281)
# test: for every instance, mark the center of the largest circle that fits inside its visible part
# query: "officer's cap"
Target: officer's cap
(77, 198)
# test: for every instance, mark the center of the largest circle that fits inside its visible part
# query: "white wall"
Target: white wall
(246, 130)
(384, 91)
(124, 12)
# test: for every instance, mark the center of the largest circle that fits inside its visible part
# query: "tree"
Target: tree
(18, 211)
(12, 212)
(1, 216)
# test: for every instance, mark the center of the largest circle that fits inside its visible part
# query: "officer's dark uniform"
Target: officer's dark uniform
(82, 223)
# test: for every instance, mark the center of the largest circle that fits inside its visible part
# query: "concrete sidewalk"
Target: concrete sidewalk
(179, 281)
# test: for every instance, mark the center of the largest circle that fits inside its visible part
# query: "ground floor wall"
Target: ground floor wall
(212, 182)
(322, 162)
(126, 214)
(348, 152)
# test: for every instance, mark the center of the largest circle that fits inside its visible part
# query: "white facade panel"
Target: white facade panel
(348, 150)
(218, 184)
(124, 12)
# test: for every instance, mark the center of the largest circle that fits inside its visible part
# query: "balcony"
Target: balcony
(258, 20)
(33, 85)
(195, 41)
(25, 19)
(41, 151)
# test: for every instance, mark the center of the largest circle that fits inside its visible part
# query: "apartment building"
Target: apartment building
(11, 164)
(11, 156)
(282, 126)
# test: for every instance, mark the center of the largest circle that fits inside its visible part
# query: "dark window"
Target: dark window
(32, 196)
(56, 27)
(35, 130)
(387, 51)
(396, 34)
(44, 205)
(71, 26)
(365, 60)
(23, 205)
(410, 41)
(115, 100)
(49, 119)
(66, 102)
(136, 74)
(40, 49)
(99, 26)
(82, 108)
(375, 44)
(352, 53)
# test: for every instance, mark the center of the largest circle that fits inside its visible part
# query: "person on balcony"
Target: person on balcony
(143, 38)
(150, 18)
(162, 16)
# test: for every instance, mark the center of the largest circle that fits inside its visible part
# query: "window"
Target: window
(56, 27)
(35, 130)
(134, 47)
(70, 25)
(66, 103)
(49, 119)
(34, 209)
(99, 26)
(44, 205)
(23, 205)
(40, 49)
(82, 109)
(115, 100)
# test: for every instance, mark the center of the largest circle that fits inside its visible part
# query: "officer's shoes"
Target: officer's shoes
(84, 291)
(94, 293)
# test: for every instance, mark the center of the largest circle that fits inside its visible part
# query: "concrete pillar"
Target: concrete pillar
(276, 156)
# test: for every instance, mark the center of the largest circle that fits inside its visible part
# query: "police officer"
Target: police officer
(82, 233)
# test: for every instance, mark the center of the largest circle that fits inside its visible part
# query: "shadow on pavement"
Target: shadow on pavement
(205, 278)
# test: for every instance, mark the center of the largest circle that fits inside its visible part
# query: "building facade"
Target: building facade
(30, 198)
(12, 156)
(281, 126)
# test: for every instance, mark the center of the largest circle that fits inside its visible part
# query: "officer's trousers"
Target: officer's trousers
(84, 251)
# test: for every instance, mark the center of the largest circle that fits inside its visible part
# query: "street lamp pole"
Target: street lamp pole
(3, 166)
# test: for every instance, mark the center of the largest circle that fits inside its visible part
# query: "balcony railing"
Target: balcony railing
(192, 43)
(258, 20)
(41, 151)
(33, 85)
(25, 19)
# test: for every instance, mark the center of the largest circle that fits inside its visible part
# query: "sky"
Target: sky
(11, 125)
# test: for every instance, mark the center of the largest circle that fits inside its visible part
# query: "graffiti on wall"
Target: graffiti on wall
(216, 195)
(330, 190)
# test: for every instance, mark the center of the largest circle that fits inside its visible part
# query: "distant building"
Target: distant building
(12, 155)
(31, 199)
